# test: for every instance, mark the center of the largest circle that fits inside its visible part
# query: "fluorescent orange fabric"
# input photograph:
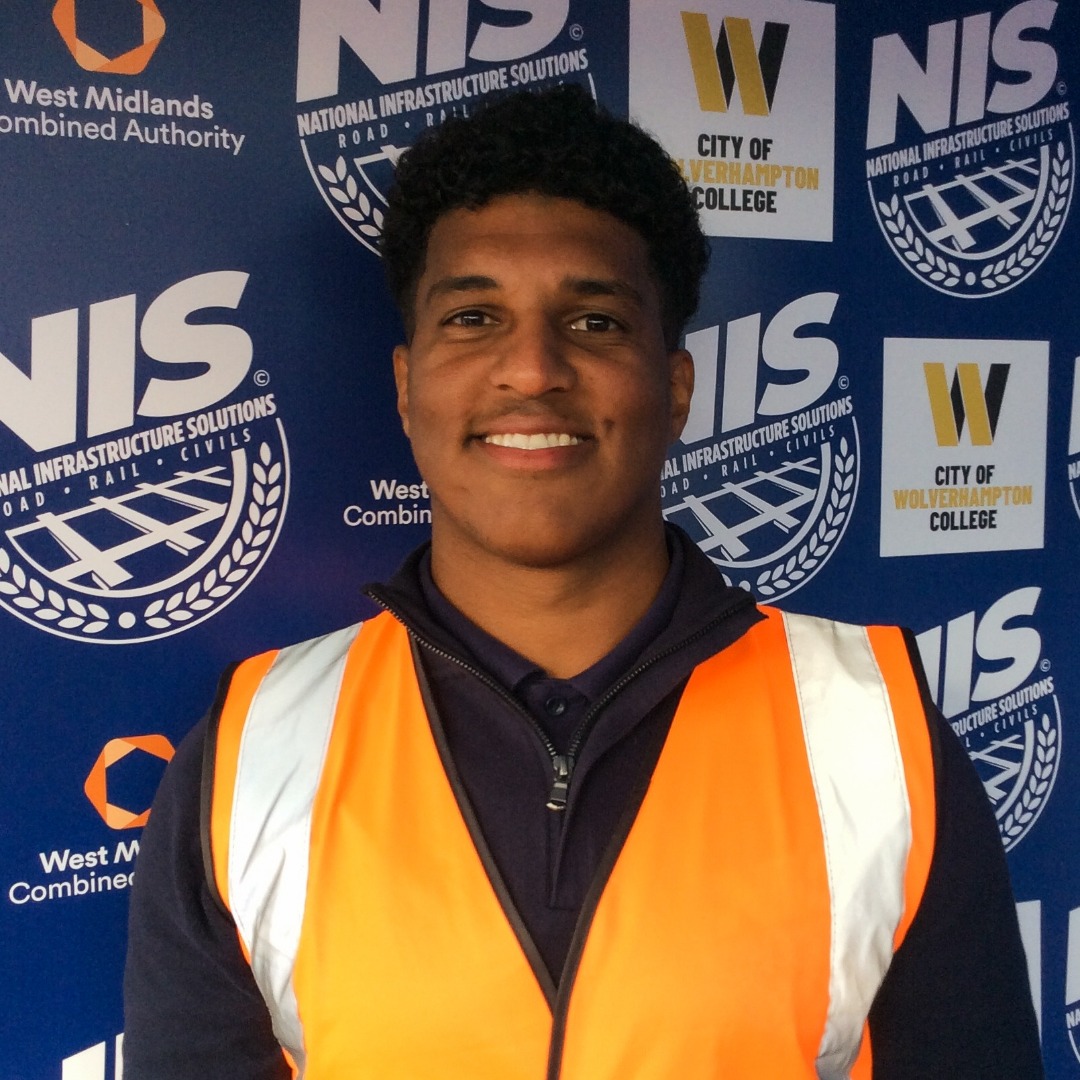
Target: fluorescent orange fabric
(407, 965)
(711, 940)
(707, 956)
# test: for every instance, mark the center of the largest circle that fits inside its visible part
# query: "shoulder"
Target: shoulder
(868, 653)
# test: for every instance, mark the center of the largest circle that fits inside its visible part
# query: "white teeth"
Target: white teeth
(532, 442)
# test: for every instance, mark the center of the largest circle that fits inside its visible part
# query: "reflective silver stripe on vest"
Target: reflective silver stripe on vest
(281, 757)
(862, 798)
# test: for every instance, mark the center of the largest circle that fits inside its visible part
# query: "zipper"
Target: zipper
(562, 765)
(560, 789)
(561, 771)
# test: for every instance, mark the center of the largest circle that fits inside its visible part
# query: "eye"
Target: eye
(595, 323)
(468, 318)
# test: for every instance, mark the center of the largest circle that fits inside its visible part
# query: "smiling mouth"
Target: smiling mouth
(539, 441)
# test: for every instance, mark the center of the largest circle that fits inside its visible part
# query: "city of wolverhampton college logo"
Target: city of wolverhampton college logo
(152, 509)
(357, 112)
(973, 191)
(963, 445)
(742, 97)
(767, 492)
(129, 62)
(1008, 717)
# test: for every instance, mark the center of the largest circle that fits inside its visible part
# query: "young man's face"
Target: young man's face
(537, 391)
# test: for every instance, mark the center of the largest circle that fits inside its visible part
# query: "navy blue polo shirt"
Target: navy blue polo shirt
(542, 861)
(558, 705)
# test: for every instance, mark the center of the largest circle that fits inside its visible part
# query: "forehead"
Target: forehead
(539, 239)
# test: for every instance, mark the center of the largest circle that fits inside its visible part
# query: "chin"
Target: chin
(538, 556)
(544, 542)
(544, 534)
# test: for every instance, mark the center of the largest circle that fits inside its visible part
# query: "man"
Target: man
(570, 806)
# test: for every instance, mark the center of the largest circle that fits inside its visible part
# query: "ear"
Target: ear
(681, 367)
(401, 380)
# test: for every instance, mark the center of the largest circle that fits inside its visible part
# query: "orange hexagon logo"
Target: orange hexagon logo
(127, 63)
(97, 783)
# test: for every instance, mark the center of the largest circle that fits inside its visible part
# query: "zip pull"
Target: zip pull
(563, 768)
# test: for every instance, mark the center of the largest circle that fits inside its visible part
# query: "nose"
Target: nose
(533, 360)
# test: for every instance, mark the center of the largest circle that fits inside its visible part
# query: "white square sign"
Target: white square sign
(742, 95)
(963, 445)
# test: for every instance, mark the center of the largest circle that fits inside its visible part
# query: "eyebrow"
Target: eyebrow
(583, 287)
(604, 287)
(463, 283)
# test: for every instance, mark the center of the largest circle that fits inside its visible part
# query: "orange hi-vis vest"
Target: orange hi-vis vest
(772, 869)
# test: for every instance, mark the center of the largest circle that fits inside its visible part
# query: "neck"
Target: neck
(563, 618)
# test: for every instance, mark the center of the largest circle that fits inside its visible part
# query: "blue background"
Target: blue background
(87, 221)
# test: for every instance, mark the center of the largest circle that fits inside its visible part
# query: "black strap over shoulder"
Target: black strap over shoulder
(206, 792)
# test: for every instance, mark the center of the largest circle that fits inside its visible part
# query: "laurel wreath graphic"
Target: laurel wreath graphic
(1042, 236)
(1020, 817)
(914, 249)
(237, 563)
(48, 605)
(933, 266)
(355, 204)
(787, 575)
(71, 614)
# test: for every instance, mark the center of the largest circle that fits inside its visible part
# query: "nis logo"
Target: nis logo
(387, 39)
(974, 191)
(42, 408)
(408, 65)
(1072, 983)
(134, 504)
(768, 491)
(988, 676)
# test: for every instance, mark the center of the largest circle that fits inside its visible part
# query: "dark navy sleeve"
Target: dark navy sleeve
(192, 1010)
(956, 1001)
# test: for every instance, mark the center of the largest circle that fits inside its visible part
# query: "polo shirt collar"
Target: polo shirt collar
(512, 670)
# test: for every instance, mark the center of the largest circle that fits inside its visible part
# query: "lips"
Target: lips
(518, 440)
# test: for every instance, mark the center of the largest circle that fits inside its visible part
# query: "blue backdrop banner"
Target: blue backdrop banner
(200, 456)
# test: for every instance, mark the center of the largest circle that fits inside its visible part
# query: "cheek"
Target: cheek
(436, 434)
(440, 393)
(429, 408)
(648, 412)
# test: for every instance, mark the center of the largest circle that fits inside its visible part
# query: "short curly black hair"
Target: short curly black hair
(555, 142)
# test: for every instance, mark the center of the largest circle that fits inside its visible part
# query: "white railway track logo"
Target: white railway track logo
(153, 560)
(142, 507)
(982, 232)
(355, 118)
(972, 183)
(1008, 718)
(766, 478)
(771, 530)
